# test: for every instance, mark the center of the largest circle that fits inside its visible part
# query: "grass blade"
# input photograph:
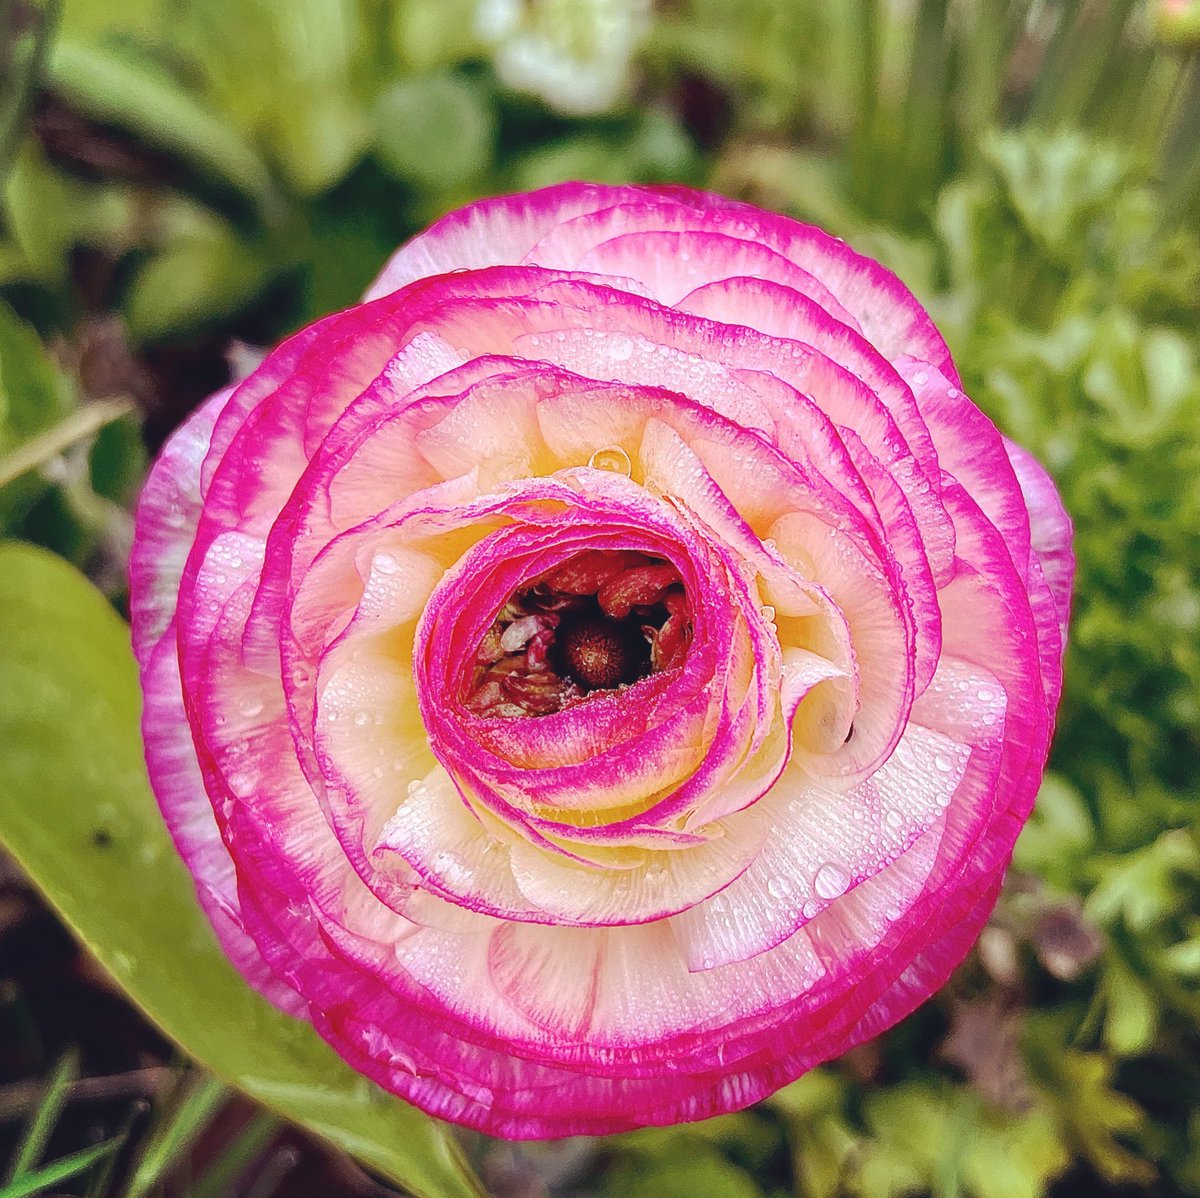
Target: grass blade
(177, 1133)
(237, 1157)
(41, 1126)
(59, 1171)
(81, 423)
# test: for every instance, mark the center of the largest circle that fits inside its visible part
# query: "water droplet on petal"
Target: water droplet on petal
(385, 563)
(894, 818)
(249, 706)
(620, 348)
(831, 882)
(613, 459)
(362, 717)
(779, 888)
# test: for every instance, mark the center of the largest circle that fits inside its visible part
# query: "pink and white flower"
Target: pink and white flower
(602, 675)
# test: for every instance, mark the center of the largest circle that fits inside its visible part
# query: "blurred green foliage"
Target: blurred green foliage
(212, 169)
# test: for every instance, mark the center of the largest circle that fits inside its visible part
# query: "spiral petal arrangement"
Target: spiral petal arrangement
(603, 674)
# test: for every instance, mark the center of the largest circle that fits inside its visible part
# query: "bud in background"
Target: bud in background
(574, 54)
(1178, 21)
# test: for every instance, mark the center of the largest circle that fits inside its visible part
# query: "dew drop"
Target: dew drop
(831, 881)
(943, 763)
(613, 459)
(779, 888)
(249, 706)
(385, 563)
(300, 675)
(768, 613)
(362, 717)
(894, 818)
(620, 348)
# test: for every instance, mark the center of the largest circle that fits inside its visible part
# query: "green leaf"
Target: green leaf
(291, 77)
(77, 813)
(1132, 1013)
(702, 1171)
(1009, 1156)
(1059, 835)
(1090, 1113)
(34, 396)
(207, 274)
(116, 88)
(99, 18)
(945, 1139)
(426, 36)
(48, 212)
(1147, 886)
(436, 131)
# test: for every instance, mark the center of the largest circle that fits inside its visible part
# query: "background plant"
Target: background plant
(184, 181)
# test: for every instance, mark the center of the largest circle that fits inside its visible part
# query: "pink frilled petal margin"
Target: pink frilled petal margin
(663, 902)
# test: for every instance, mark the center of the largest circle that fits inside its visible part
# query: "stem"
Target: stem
(24, 75)
(84, 422)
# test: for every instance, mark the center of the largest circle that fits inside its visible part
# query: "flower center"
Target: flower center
(597, 623)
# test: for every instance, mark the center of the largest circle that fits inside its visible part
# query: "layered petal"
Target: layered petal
(603, 674)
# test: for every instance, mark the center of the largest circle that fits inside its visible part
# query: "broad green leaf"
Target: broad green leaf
(76, 811)
(306, 111)
(100, 18)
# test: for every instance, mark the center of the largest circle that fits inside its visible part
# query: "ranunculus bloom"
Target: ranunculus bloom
(603, 674)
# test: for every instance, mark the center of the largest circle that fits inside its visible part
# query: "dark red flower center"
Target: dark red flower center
(599, 622)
